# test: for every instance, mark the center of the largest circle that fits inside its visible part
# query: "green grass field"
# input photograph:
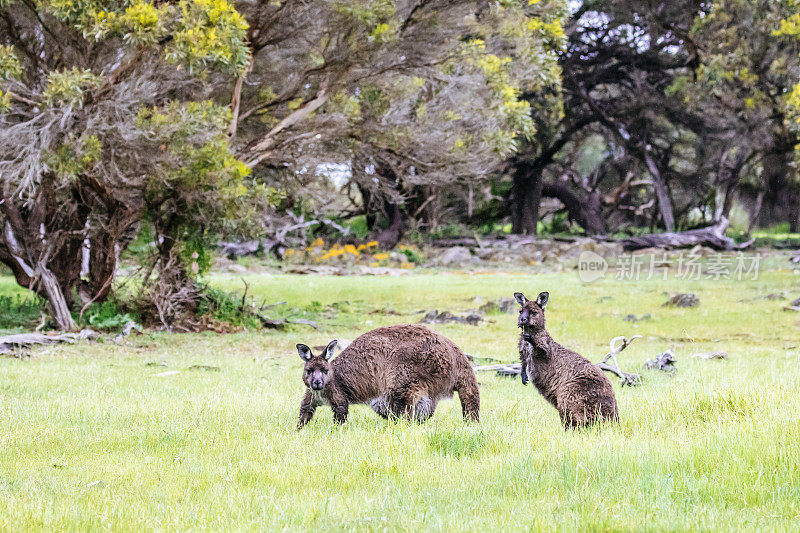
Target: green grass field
(131, 437)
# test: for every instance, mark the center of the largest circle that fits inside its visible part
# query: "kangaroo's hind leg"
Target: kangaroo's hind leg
(467, 389)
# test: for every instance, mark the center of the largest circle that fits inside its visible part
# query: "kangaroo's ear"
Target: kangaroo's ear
(521, 300)
(304, 351)
(329, 349)
(542, 299)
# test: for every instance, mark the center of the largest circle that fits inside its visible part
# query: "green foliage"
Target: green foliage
(210, 33)
(109, 315)
(74, 157)
(78, 12)
(19, 311)
(358, 227)
(777, 229)
(412, 254)
(371, 13)
(203, 177)
(67, 87)
(515, 110)
(10, 68)
(449, 230)
(226, 307)
(203, 33)
(195, 253)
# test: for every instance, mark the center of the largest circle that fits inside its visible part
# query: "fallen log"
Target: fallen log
(11, 344)
(502, 369)
(232, 250)
(626, 378)
(664, 362)
(711, 236)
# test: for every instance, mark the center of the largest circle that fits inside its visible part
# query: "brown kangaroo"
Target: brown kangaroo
(578, 389)
(400, 371)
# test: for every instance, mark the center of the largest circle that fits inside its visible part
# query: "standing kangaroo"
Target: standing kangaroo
(578, 389)
(400, 371)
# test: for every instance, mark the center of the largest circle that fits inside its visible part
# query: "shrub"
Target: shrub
(20, 311)
(109, 315)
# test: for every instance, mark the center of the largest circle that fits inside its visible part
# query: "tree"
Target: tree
(749, 64)
(694, 98)
(618, 64)
(84, 85)
(425, 92)
(120, 114)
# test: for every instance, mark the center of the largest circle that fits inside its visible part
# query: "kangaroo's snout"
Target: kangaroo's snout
(317, 384)
(524, 318)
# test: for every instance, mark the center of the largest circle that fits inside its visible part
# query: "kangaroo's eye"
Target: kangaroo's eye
(324, 371)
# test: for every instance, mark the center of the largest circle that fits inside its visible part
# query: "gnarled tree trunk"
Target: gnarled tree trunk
(584, 211)
(45, 239)
(526, 195)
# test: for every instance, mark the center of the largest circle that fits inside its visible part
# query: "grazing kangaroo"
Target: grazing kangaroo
(578, 389)
(400, 371)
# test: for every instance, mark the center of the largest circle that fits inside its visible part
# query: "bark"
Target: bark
(55, 297)
(584, 211)
(13, 344)
(527, 194)
(755, 212)
(389, 237)
(236, 102)
(662, 194)
(725, 183)
(712, 236)
(384, 200)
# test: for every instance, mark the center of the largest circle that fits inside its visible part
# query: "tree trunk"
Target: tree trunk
(527, 194)
(585, 212)
(755, 212)
(782, 195)
(389, 237)
(55, 297)
(662, 194)
(725, 182)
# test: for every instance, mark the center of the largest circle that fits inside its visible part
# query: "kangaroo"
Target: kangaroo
(400, 371)
(578, 389)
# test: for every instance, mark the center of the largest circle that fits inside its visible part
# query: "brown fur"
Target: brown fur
(400, 371)
(578, 389)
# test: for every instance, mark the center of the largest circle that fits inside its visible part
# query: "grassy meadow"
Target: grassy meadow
(197, 431)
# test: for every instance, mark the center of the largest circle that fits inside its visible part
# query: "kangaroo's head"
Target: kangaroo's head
(531, 313)
(317, 372)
